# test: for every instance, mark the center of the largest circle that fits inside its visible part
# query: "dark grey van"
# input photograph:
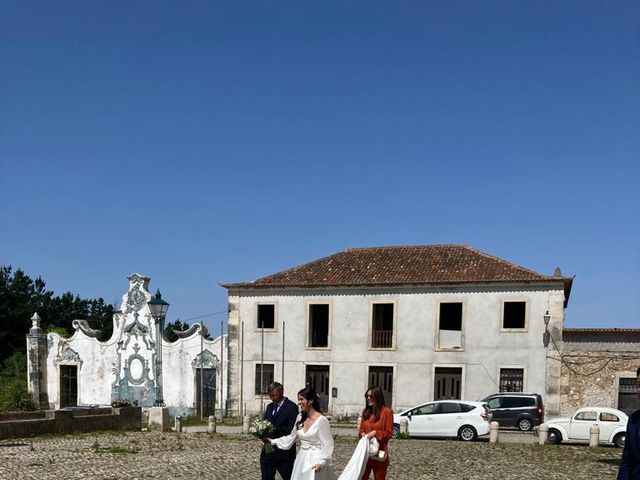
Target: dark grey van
(522, 410)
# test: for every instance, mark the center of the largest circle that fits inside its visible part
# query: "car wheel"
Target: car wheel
(396, 430)
(525, 424)
(467, 433)
(619, 440)
(554, 436)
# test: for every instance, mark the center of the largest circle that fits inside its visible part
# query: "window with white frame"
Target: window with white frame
(514, 315)
(266, 316)
(318, 325)
(450, 325)
(264, 377)
(382, 325)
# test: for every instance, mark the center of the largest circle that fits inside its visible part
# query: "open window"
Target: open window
(318, 325)
(382, 325)
(450, 325)
(266, 316)
(514, 316)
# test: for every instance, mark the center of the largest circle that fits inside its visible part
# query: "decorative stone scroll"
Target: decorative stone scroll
(68, 355)
(84, 327)
(196, 327)
(206, 359)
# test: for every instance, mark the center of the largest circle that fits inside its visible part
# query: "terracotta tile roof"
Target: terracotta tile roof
(406, 265)
(578, 331)
(599, 335)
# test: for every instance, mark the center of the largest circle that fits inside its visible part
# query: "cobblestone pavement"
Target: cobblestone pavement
(146, 455)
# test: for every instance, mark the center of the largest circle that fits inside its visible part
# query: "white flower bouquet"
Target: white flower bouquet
(260, 429)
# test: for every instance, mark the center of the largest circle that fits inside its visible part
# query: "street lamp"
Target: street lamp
(158, 309)
(546, 336)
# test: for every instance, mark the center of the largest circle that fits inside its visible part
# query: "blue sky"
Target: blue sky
(201, 143)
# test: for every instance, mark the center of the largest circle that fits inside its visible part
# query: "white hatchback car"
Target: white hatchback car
(446, 418)
(612, 424)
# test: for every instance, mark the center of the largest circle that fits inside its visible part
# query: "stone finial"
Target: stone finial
(35, 324)
(557, 272)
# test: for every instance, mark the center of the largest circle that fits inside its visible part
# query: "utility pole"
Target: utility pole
(201, 371)
(222, 405)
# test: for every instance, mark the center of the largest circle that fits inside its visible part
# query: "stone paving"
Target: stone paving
(153, 455)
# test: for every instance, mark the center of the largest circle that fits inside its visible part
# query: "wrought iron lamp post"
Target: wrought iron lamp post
(158, 309)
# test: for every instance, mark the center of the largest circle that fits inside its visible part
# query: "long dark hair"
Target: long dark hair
(309, 394)
(378, 402)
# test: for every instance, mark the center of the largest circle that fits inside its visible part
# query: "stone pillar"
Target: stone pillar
(246, 421)
(594, 436)
(404, 426)
(159, 419)
(543, 434)
(493, 432)
(235, 374)
(553, 364)
(37, 363)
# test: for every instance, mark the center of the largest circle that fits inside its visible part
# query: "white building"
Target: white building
(82, 370)
(423, 323)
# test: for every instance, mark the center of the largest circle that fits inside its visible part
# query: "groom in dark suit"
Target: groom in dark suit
(282, 413)
(630, 463)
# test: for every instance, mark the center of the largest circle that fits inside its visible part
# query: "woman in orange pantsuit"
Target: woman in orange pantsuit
(377, 421)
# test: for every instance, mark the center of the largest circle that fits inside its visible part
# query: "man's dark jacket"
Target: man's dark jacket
(630, 463)
(283, 423)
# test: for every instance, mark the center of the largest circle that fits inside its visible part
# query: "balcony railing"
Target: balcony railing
(382, 339)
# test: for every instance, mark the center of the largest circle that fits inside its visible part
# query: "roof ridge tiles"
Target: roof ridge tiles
(401, 266)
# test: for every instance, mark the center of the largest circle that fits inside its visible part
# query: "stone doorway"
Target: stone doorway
(382, 377)
(318, 379)
(68, 386)
(205, 397)
(446, 383)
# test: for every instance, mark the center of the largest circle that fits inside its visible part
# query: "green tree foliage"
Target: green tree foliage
(175, 325)
(14, 393)
(180, 326)
(21, 297)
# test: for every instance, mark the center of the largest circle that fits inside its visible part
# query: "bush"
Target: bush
(59, 330)
(14, 393)
(15, 397)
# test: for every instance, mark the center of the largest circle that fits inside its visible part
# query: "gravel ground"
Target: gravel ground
(145, 455)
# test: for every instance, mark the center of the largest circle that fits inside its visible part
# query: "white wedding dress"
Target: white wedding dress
(316, 447)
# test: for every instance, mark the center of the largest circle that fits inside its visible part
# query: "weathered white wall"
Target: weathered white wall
(485, 348)
(102, 366)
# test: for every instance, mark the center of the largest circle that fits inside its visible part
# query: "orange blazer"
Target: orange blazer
(383, 427)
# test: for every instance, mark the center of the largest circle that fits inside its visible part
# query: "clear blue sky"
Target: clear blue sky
(208, 142)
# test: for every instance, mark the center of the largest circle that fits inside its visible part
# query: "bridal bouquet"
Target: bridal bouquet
(260, 429)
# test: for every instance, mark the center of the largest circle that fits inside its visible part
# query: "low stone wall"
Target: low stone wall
(69, 421)
(591, 378)
(4, 416)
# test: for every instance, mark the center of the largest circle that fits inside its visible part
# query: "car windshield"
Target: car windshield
(588, 415)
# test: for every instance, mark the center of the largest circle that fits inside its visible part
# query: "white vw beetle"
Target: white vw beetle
(612, 424)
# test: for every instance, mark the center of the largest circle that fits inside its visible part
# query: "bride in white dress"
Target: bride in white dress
(313, 461)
